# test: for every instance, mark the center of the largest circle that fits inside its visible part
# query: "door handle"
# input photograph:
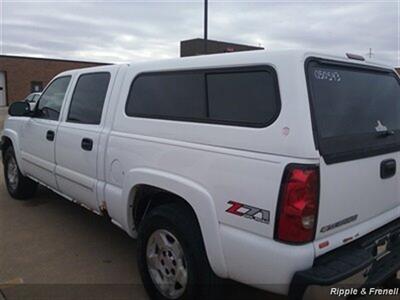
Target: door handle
(87, 144)
(388, 168)
(50, 135)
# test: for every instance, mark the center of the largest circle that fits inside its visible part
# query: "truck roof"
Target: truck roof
(274, 57)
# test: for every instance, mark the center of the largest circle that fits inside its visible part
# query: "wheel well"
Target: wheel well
(6, 141)
(147, 197)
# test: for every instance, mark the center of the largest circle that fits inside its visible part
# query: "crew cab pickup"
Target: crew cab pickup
(274, 169)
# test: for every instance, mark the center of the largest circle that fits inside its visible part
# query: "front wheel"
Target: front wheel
(18, 186)
(171, 255)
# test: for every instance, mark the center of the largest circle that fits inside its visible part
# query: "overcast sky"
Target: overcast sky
(128, 30)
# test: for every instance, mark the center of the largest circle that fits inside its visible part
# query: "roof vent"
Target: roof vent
(355, 56)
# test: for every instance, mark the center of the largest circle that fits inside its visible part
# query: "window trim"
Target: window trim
(331, 158)
(35, 112)
(73, 93)
(204, 72)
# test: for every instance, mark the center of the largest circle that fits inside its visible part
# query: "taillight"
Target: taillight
(298, 204)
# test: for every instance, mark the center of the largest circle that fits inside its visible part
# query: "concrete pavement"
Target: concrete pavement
(3, 114)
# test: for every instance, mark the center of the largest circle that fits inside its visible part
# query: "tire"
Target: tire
(18, 186)
(392, 282)
(166, 229)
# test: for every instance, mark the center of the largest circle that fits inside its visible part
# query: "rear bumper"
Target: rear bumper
(373, 258)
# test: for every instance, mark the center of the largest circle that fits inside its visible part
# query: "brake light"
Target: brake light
(298, 204)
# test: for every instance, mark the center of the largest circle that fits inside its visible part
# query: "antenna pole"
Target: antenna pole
(205, 25)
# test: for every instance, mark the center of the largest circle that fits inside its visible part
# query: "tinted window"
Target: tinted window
(168, 95)
(354, 101)
(352, 106)
(245, 97)
(51, 100)
(236, 96)
(32, 97)
(88, 99)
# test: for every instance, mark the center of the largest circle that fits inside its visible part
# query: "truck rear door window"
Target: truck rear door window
(234, 96)
(356, 110)
(88, 98)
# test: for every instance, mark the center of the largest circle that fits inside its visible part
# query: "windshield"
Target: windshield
(29, 97)
(36, 97)
(352, 107)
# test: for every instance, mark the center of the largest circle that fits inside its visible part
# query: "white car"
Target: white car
(274, 169)
(32, 99)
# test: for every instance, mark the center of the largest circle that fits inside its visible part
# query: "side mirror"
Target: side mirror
(32, 104)
(19, 109)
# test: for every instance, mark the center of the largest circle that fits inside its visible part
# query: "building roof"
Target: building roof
(198, 46)
(221, 43)
(54, 59)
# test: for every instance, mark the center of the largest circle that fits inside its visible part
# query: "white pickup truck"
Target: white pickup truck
(274, 169)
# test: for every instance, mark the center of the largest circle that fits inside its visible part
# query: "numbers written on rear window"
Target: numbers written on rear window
(240, 96)
(327, 75)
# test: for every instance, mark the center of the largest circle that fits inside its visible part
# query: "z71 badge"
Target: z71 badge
(247, 211)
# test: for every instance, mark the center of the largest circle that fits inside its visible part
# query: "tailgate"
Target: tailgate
(353, 192)
(356, 123)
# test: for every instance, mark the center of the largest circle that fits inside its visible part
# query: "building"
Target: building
(20, 76)
(196, 47)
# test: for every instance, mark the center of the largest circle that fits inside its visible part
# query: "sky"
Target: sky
(128, 30)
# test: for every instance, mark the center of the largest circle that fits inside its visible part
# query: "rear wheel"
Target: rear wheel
(18, 186)
(171, 255)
